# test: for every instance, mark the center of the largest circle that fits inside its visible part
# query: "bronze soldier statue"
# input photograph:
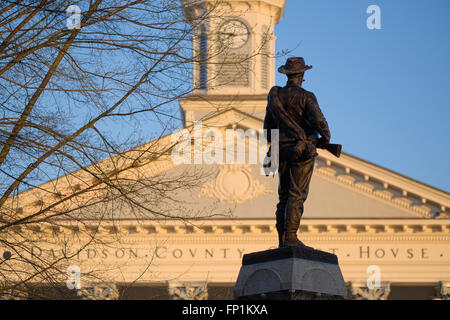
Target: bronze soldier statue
(296, 114)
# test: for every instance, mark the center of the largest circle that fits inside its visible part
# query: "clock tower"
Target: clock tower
(233, 56)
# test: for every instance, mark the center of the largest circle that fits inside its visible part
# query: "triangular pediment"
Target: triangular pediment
(345, 187)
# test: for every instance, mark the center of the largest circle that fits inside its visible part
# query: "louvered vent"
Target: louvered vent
(203, 57)
(233, 70)
(265, 61)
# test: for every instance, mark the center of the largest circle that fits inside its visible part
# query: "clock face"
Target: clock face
(233, 34)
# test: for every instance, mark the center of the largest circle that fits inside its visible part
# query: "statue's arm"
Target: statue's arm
(269, 122)
(316, 117)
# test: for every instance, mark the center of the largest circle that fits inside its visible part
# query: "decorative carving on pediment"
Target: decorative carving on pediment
(234, 183)
(359, 291)
(188, 290)
(99, 291)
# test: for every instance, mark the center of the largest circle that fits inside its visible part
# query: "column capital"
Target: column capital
(443, 291)
(13, 292)
(360, 291)
(99, 291)
(188, 290)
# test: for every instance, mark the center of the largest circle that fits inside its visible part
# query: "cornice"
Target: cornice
(390, 176)
(382, 184)
(224, 97)
(347, 229)
(274, 7)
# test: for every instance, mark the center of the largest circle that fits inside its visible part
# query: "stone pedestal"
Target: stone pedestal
(300, 273)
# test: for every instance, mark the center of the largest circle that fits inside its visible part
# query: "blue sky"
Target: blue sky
(385, 93)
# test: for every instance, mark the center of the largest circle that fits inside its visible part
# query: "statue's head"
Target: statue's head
(294, 66)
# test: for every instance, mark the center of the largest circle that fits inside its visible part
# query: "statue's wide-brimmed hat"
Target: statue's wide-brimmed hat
(294, 65)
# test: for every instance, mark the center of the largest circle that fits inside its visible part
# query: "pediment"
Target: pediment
(345, 187)
(244, 193)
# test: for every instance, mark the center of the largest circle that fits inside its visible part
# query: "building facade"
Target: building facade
(391, 233)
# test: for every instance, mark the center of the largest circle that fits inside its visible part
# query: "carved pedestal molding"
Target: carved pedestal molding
(443, 291)
(188, 290)
(359, 291)
(99, 291)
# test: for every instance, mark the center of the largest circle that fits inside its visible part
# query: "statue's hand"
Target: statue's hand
(305, 149)
(266, 165)
(322, 142)
(300, 148)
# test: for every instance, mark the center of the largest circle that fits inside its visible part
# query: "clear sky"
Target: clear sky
(385, 93)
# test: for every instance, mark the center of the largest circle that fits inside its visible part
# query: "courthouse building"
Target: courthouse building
(381, 225)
